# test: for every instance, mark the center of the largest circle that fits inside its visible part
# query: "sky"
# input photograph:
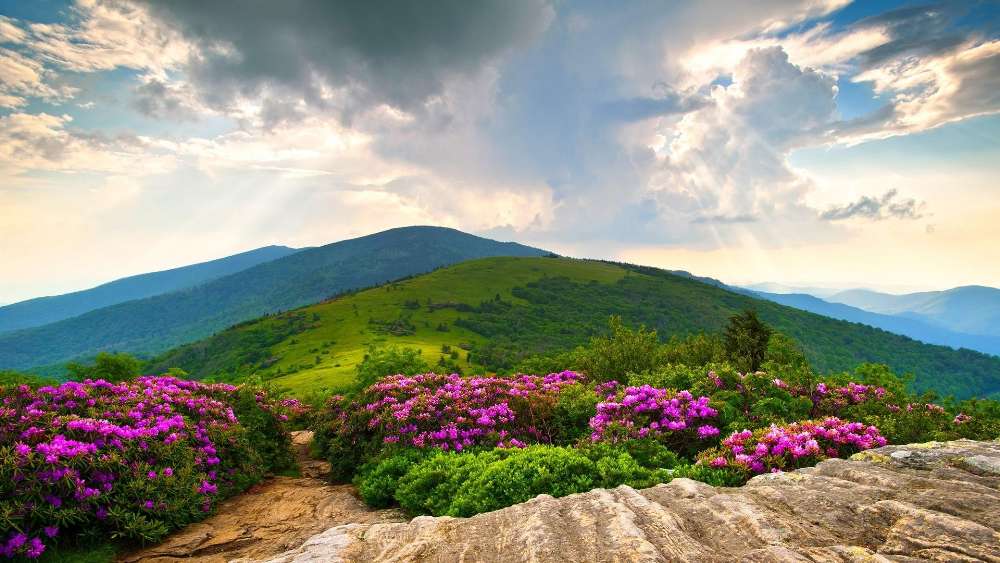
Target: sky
(808, 142)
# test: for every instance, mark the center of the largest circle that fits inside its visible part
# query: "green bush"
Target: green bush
(523, 475)
(572, 413)
(377, 480)
(392, 360)
(464, 484)
(431, 486)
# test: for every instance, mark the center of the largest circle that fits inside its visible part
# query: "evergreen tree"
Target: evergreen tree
(746, 338)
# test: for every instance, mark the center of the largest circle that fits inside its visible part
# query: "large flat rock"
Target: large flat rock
(935, 502)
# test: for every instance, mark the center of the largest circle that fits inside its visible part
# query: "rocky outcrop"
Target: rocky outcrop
(277, 514)
(937, 501)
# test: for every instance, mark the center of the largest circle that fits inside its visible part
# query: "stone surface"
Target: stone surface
(937, 502)
(275, 515)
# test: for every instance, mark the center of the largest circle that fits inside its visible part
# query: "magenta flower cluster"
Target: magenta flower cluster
(451, 412)
(794, 445)
(640, 412)
(89, 452)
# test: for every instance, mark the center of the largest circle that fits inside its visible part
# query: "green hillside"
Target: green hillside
(504, 309)
(156, 324)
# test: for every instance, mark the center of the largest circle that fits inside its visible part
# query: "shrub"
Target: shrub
(431, 486)
(524, 475)
(677, 419)
(746, 339)
(796, 445)
(132, 460)
(464, 484)
(381, 362)
(622, 352)
(448, 412)
(377, 480)
(573, 410)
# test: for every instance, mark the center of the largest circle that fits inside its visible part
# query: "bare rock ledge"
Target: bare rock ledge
(921, 502)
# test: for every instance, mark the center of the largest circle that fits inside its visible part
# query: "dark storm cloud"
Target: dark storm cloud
(876, 208)
(380, 52)
(155, 99)
(918, 30)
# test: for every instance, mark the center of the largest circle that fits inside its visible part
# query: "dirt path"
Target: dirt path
(274, 516)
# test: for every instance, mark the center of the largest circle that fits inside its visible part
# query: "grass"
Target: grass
(347, 324)
(315, 349)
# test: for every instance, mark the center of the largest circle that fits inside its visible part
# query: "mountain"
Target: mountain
(973, 309)
(45, 310)
(780, 288)
(916, 327)
(490, 313)
(155, 324)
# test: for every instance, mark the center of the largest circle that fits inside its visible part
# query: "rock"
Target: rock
(937, 502)
(278, 514)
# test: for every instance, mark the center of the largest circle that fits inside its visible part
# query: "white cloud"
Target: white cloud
(22, 78)
(929, 91)
(44, 143)
(726, 165)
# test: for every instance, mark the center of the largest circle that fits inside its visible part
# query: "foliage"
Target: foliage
(675, 418)
(109, 367)
(746, 338)
(129, 461)
(392, 360)
(12, 378)
(639, 434)
(621, 352)
(799, 444)
(377, 480)
(467, 484)
(448, 412)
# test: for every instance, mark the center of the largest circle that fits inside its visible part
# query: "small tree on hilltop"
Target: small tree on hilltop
(746, 338)
(392, 360)
(622, 352)
(110, 367)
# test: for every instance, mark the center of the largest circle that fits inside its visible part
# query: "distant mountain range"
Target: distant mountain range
(45, 310)
(780, 288)
(963, 317)
(153, 324)
(972, 309)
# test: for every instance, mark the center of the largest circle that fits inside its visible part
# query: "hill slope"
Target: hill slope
(45, 310)
(507, 308)
(918, 328)
(155, 324)
(970, 309)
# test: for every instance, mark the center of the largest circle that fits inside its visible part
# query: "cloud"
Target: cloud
(162, 99)
(343, 56)
(22, 78)
(887, 206)
(44, 143)
(725, 164)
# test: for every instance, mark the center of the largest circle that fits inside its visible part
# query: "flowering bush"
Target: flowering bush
(447, 412)
(677, 418)
(130, 460)
(800, 444)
